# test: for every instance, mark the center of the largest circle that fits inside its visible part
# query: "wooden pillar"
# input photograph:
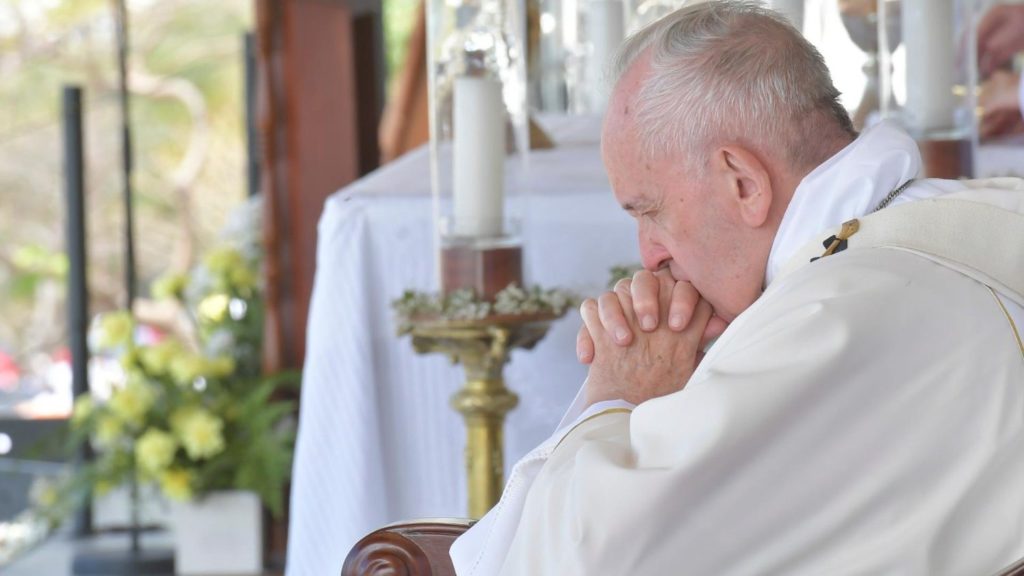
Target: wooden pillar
(318, 104)
(319, 107)
(405, 124)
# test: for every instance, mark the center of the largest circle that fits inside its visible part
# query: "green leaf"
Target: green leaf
(23, 286)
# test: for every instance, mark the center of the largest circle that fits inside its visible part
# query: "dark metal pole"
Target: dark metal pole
(129, 236)
(251, 132)
(126, 148)
(78, 287)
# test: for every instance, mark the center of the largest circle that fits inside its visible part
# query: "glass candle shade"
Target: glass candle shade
(479, 139)
(927, 63)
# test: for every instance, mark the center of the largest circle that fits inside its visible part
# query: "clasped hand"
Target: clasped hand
(645, 338)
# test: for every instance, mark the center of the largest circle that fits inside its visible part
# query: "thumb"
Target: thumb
(716, 326)
(584, 346)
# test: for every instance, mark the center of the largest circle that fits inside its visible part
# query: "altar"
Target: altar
(378, 441)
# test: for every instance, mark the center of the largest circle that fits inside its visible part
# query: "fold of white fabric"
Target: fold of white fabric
(482, 549)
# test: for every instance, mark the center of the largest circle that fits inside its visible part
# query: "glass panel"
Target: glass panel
(187, 111)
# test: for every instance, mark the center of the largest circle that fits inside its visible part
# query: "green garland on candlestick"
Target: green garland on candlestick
(513, 300)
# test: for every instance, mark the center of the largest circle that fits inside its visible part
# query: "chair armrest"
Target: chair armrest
(420, 548)
(411, 548)
(1016, 569)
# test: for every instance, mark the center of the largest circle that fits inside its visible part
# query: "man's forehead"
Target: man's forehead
(621, 108)
(619, 134)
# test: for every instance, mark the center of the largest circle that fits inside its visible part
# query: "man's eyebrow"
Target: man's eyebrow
(635, 205)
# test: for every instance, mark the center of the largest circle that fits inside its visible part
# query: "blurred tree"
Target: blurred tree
(399, 20)
(185, 78)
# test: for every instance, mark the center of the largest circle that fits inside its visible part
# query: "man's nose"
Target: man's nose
(652, 254)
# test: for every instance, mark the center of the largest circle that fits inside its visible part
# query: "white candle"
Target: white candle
(605, 29)
(569, 22)
(928, 40)
(478, 179)
(791, 9)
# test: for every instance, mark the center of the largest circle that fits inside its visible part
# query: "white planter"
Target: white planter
(220, 534)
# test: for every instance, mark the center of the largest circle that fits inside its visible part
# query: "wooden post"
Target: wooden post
(318, 80)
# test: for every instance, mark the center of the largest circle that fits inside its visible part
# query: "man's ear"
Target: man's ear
(747, 183)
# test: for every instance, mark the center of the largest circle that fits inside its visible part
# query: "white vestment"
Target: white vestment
(864, 416)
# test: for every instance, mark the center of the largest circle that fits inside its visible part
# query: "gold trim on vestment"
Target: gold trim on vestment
(1013, 325)
(588, 419)
(850, 227)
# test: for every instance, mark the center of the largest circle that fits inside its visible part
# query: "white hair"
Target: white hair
(728, 70)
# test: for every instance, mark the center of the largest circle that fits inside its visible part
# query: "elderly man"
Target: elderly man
(862, 413)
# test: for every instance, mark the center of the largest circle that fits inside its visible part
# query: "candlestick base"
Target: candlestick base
(949, 158)
(483, 347)
(485, 268)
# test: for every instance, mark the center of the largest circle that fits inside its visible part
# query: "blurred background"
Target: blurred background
(215, 120)
(193, 158)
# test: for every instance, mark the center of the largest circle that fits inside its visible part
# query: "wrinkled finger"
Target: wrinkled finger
(592, 322)
(998, 51)
(991, 21)
(584, 346)
(698, 324)
(644, 290)
(716, 326)
(666, 283)
(610, 312)
(989, 27)
(998, 123)
(624, 290)
(684, 299)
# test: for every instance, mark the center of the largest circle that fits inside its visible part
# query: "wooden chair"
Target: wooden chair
(416, 548)
(420, 548)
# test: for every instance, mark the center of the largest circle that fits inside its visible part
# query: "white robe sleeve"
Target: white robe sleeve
(482, 549)
(865, 416)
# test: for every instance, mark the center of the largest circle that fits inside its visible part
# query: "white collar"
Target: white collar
(845, 186)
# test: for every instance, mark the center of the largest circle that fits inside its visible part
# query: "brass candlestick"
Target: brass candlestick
(482, 347)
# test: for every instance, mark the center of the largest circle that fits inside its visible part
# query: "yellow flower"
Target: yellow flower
(221, 367)
(108, 430)
(131, 403)
(43, 493)
(180, 416)
(102, 487)
(230, 269)
(154, 451)
(130, 358)
(214, 307)
(170, 286)
(84, 407)
(116, 330)
(177, 484)
(224, 259)
(243, 278)
(200, 434)
(157, 359)
(185, 368)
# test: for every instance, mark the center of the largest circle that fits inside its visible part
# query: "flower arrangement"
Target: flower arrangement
(193, 413)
